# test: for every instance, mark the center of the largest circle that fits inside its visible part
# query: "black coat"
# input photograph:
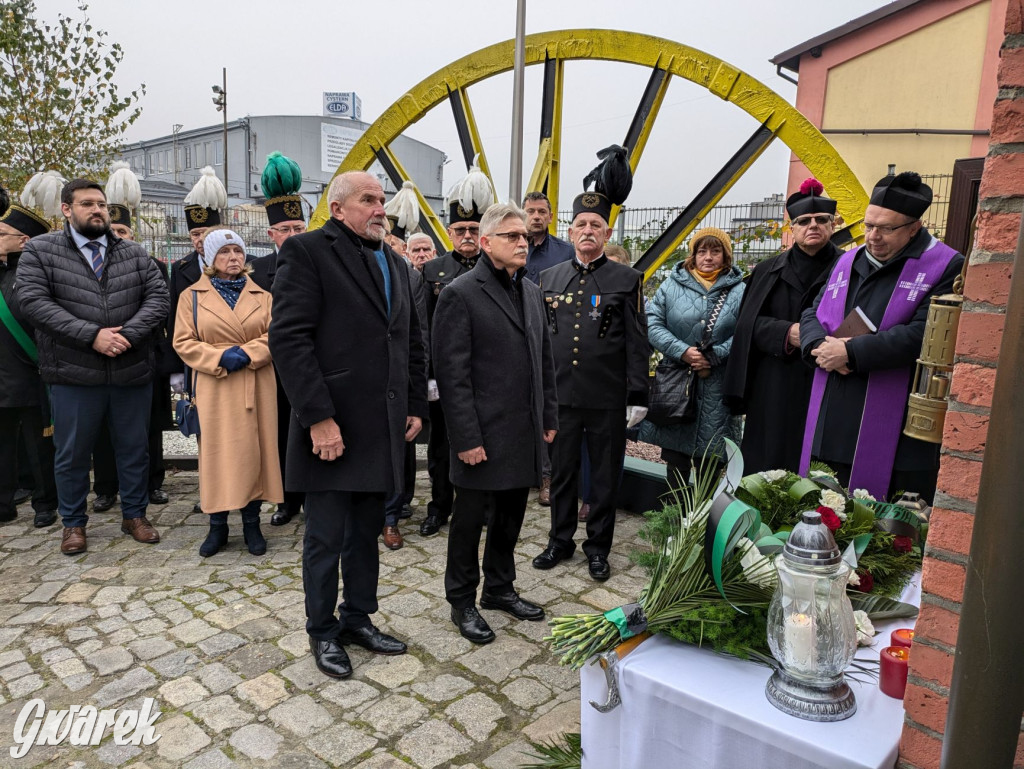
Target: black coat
(766, 379)
(495, 374)
(184, 272)
(264, 270)
(20, 384)
(838, 425)
(602, 356)
(68, 306)
(339, 354)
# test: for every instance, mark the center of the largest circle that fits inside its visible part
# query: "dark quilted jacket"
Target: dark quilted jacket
(62, 298)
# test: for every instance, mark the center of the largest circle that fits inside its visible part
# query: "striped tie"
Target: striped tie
(97, 259)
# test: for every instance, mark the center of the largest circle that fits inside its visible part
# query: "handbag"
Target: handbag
(185, 412)
(673, 399)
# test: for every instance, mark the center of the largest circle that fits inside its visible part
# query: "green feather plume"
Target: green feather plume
(281, 176)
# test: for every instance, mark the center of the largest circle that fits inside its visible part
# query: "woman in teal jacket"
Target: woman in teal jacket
(676, 319)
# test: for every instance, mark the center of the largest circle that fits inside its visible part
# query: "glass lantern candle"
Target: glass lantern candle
(811, 630)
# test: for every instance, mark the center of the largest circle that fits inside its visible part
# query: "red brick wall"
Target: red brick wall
(978, 340)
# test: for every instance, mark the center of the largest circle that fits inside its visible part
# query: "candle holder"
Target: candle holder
(903, 636)
(811, 630)
(893, 666)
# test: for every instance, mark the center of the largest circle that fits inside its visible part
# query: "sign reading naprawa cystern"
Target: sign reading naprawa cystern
(343, 104)
(82, 726)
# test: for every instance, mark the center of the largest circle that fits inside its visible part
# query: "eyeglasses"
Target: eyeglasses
(460, 231)
(885, 229)
(297, 229)
(805, 221)
(511, 237)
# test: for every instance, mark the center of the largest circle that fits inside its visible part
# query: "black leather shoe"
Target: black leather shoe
(406, 512)
(103, 502)
(44, 518)
(281, 516)
(22, 495)
(472, 626)
(330, 658)
(158, 497)
(431, 525)
(599, 568)
(371, 639)
(511, 603)
(550, 558)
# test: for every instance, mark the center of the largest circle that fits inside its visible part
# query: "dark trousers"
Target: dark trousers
(605, 432)
(78, 412)
(680, 465)
(21, 432)
(506, 510)
(921, 481)
(340, 525)
(292, 499)
(105, 467)
(442, 493)
(393, 507)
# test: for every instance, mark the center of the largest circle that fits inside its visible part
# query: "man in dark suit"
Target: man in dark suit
(346, 343)
(495, 375)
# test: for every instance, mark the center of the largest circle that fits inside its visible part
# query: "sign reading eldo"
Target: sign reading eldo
(343, 104)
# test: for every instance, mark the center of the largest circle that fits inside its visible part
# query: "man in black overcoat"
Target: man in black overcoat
(495, 375)
(346, 344)
(766, 378)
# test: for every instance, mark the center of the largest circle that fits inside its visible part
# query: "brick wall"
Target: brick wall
(978, 340)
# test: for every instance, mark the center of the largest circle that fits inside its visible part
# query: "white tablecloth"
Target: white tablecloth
(689, 708)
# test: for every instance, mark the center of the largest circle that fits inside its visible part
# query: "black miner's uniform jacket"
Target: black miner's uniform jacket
(598, 333)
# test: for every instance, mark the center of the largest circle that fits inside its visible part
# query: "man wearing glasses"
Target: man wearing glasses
(861, 382)
(766, 379)
(464, 231)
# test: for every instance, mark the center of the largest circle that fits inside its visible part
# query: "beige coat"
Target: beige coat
(238, 459)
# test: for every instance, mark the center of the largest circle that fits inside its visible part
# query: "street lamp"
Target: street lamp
(220, 99)
(174, 140)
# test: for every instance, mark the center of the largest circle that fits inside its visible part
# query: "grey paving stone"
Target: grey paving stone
(32, 616)
(296, 644)
(10, 657)
(44, 593)
(263, 692)
(256, 659)
(25, 686)
(68, 667)
(342, 744)
(180, 738)
(111, 659)
(348, 694)
(183, 691)
(14, 671)
(151, 647)
(393, 715)
(394, 671)
(68, 616)
(211, 759)
(109, 595)
(512, 756)
(56, 654)
(115, 755)
(193, 631)
(301, 715)
(175, 664)
(221, 713)
(304, 674)
(217, 678)
(131, 683)
(497, 660)
(262, 629)
(526, 693)
(433, 743)
(477, 713)
(443, 688)
(220, 643)
(256, 741)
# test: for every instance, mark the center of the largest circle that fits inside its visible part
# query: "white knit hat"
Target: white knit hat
(215, 240)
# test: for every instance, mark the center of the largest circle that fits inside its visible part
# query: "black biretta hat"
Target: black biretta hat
(904, 193)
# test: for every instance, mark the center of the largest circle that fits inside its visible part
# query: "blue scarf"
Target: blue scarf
(229, 289)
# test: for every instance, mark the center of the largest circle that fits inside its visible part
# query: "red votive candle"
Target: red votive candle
(892, 677)
(903, 636)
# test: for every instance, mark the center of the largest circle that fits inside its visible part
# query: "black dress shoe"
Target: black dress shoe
(22, 495)
(472, 626)
(280, 517)
(197, 509)
(158, 497)
(550, 558)
(599, 568)
(371, 639)
(44, 518)
(431, 525)
(103, 502)
(511, 603)
(406, 512)
(330, 658)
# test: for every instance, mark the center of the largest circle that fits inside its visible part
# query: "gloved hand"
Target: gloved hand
(635, 415)
(177, 383)
(234, 358)
(432, 393)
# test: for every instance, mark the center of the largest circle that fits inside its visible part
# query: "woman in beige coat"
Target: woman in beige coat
(235, 390)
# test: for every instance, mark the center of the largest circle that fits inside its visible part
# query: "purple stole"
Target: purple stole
(886, 398)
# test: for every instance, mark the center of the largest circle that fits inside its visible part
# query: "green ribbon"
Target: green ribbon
(725, 528)
(897, 520)
(23, 339)
(629, 620)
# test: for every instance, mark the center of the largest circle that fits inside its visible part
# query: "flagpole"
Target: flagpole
(515, 175)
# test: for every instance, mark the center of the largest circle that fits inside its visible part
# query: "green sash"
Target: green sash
(17, 331)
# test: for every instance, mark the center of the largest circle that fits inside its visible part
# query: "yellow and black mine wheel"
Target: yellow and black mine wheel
(777, 118)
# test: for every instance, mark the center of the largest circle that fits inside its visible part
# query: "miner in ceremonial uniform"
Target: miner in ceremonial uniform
(467, 202)
(863, 335)
(281, 181)
(599, 337)
(766, 378)
(492, 358)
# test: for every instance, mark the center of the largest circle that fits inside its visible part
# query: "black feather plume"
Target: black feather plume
(613, 177)
(908, 180)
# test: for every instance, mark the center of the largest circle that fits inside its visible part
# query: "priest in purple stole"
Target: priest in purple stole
(861, 383)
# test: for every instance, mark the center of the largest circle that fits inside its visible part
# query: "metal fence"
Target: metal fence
(162, 229)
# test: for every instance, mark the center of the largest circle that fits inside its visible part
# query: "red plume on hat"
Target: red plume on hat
(812, 186)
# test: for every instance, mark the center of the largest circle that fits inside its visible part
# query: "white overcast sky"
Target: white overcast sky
(282, 54)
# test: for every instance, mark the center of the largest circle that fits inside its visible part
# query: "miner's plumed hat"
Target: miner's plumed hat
(281, 182)
(203, 203)
(470, 196)
(904, 193)
(24, 220)
(612, 180)
(809, 200)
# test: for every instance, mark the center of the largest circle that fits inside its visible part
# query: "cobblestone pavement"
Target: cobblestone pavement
(220, 644)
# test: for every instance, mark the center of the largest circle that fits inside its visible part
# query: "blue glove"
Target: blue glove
(234, 358)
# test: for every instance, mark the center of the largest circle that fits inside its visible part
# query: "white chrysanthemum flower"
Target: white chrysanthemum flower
(835, 501)
(757, 568)
(865, 630)
(773, 475)
(853, 579)
(862, 494)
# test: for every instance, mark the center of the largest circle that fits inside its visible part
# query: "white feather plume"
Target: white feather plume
(42, 193)
(123, 186)
(406, 206)
(474, 187)
(209, 191)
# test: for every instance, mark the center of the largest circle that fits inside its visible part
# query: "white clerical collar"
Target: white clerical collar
(871, 260)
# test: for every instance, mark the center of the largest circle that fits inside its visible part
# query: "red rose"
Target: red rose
(903, 544)
(867, 582)
(829, 518)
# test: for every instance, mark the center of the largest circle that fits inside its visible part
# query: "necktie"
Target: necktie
(97, 259)
(382, 263)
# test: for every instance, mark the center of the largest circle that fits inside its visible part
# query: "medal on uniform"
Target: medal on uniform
(595, 302)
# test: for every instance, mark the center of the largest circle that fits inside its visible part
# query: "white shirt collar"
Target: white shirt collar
(81, 240)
